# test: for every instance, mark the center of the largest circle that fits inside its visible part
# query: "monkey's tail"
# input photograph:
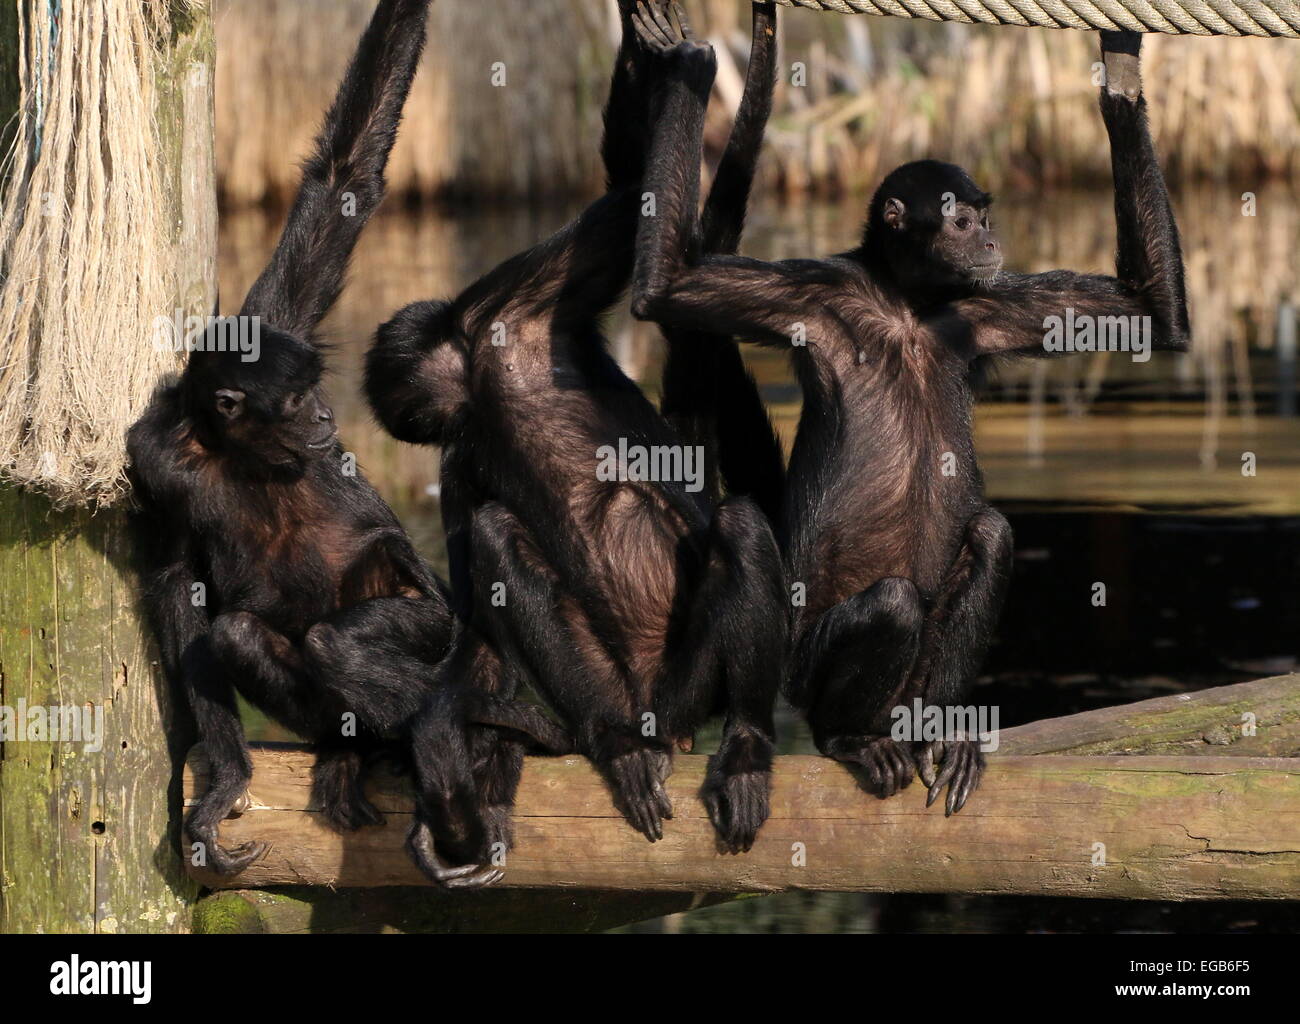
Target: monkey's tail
(343, 179)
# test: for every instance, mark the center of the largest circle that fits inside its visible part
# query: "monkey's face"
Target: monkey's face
(284, 427)
(966, 246)
(268, 411)
(929, 226)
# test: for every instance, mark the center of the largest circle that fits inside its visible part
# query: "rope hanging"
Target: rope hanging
(1177, 17)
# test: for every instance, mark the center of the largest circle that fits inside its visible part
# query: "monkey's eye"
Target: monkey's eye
(963, 223)
(295, 401)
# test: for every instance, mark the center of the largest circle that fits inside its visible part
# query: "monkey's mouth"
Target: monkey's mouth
(324, 442)
(985, 273)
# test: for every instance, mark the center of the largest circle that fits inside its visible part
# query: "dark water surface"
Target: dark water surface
(1110, 470)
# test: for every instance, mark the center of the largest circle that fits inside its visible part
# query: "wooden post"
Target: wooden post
(1118, 827)
(88, 837)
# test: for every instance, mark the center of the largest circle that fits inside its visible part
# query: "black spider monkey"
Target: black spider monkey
(709, 397)
(633, 612)
(269, 568)
(904, 563)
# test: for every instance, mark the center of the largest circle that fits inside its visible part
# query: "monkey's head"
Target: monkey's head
(255, 392)
(928, 229)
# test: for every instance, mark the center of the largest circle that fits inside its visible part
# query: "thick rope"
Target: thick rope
(1177, 17)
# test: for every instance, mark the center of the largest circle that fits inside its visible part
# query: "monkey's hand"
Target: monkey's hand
(1121, 55)
(662, 27)
(957, 764)
(420, 845)
(219, 860)
(638, 780)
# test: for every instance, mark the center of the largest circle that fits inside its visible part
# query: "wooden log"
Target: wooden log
(88, 836)
(1167, 827)
(1256, 719)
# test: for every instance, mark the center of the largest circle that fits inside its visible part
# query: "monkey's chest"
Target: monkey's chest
(292, 574)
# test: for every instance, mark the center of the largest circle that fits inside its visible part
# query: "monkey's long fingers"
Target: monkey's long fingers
(648, 31)
(904, 766)
(420, 845)
(946, 772)
(925, 764)
(683, 26)
(486, 876)
(659, 13)
(965, 784)
(235, 860)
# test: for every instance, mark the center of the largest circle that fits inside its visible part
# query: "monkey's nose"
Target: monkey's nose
(991, 246)
(325, 415)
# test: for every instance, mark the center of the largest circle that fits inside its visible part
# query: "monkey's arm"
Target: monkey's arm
(724, 210)
(709, 398)
(1149, 266)
(559, 284)
(627, 111)
(777, 303)
(584, 266)
(785, 303)
(343, 180)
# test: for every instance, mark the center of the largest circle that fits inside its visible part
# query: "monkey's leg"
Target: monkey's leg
(277, 678)
(229, 769)
(377, 657)
(468, 744)
(850, 671)
(454, 830)
(533, 623)
(956, 638)
(234, 648)
(735, 630)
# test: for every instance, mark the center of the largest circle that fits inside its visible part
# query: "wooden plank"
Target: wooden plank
(1169, 828)
(1257, 719)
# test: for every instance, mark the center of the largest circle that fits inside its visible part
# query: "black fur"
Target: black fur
(709, 397)
(617, 599)
(904, 564)
(267, 567)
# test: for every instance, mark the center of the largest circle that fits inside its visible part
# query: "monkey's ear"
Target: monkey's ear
(229, 404)
(895, 213)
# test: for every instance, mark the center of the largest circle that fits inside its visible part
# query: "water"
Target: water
(1110, 470)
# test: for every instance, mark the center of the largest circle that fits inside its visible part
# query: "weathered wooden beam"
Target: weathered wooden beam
(1117, 827)
(1257, 719)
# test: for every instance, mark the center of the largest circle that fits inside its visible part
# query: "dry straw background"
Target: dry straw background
(1016, 106)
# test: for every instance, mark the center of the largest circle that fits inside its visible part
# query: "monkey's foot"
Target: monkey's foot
(350, 812)
(737, 805)
(420, 845)
(638, 781)
(887, 763)
(226, 862)
(957, 764)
